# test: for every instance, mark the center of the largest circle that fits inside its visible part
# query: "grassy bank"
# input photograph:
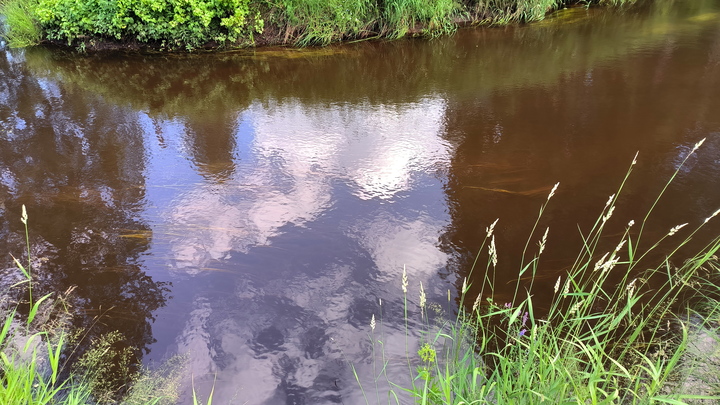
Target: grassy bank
(621, 327)
(176, 24)
(40, 357)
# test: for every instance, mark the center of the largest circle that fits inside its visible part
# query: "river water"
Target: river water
(254, 210)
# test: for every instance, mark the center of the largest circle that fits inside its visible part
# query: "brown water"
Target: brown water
(253, 208)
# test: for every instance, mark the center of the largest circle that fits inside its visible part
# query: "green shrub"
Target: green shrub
(175, 23)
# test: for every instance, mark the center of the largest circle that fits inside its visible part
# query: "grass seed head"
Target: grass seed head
(552, 192)
(711, 216)
(676, 228)
(697, 145)
(600, 262)
(476, 304)
(489, 230)
(493, 252)
(404, 280)
(609, 214)
(610, 200)
(543, 241)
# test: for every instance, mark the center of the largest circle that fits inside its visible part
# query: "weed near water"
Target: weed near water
(21, 25)
(36, 344)
(320, 22)
(612, 333)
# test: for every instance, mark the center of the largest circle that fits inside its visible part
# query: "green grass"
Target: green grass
(618, 330)
(400, 17)
(30, 354)
(320, 22)
(22, 28)
(35, 347)
(508, 11)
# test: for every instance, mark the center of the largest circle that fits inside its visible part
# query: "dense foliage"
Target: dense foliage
(193, 23)
(175, 22)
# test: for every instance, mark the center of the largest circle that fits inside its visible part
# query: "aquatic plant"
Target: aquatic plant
(612, 333)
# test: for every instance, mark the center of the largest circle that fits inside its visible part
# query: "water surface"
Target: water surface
(255, 209)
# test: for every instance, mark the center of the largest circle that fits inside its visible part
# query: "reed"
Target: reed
(611, 334)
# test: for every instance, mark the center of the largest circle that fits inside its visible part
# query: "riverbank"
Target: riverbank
(171, 25)
(649, 337)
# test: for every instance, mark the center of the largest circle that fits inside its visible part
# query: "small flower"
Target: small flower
(676, 228)
(543, 241)
(631, 223)
(566, 291)
(490, 229)
(508, 305)
(522, 332)
(404, 281)
(372, 322)
(557, 285)
(24, 216)
(427, 353)
(525, 318)
(552, 192)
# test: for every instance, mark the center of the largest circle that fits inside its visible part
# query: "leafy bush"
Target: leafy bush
(188, 23)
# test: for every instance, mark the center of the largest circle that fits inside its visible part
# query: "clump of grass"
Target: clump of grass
(34, 354)
(508, 11)
(21, 26)
(611, 334)
(30, 356)
(160, 386)
(320, 22)
(400, 17)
